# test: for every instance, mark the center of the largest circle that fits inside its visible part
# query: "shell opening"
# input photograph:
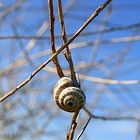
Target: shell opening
(70, 103)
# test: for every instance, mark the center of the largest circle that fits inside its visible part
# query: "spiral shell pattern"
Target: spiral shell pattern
(68, 97)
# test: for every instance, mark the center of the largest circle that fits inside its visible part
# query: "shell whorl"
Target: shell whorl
(68, 97)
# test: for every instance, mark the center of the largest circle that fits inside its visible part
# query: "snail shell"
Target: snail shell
(68, 97)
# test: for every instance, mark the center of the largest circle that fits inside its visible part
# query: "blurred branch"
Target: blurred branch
(97, 79)
(117, 65)
(82, 76)
(37, 37)
(11, 8)
(105, 118)
(99, 37)
(22, 46)
(82, 44)
(108, 81)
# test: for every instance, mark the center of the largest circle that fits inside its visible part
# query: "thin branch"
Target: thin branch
(95, 14)
(108, 81)
(83, 130)
(105, 118)
(73, 126)
(110, 41)
(27, 57)
(37, 37)
(80, 44)
(11, 8)
(81, 76)
(52, 39)
(98, 79)
(99, 37)
(64, 36)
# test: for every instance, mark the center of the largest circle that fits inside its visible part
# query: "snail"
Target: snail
(67, 96)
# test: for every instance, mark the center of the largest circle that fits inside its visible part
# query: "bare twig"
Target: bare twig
(81, 133)
(73, 126)
(64, 36)
(97, 11)
(22, 47)
(52, 19)
(11, 8)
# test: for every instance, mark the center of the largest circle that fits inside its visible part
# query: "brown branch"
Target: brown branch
(64, 36)
(73, 126)
(98, 10)
(52, 38)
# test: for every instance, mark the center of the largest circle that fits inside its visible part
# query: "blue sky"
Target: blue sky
(123, 13)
